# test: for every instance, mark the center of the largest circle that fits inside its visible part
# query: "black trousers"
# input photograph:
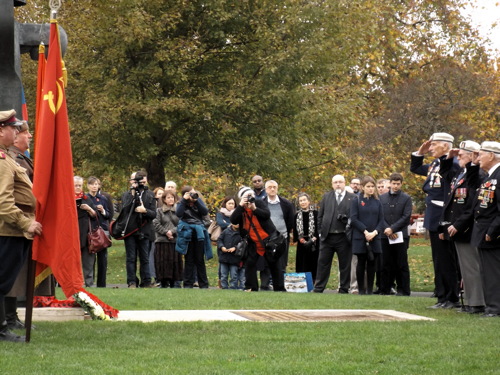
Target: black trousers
(490, 275)
(194, 261)
(13, 253)
(334, 243)
(275, 266)
(364, 264)
(445, 268)
(395, 267)
(102, 267)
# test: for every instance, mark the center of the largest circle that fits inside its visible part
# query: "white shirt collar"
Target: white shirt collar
(275, 201)
(493, 169)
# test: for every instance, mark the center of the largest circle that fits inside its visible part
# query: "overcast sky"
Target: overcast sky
(484, 15)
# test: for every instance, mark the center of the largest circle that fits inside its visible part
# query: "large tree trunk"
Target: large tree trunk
(156, 171)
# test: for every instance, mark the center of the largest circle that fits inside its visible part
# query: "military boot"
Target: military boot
(11, 314)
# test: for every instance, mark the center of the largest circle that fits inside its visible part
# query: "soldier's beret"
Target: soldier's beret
(491, 147)
(470, 146)
(442, 137)
(8, 118)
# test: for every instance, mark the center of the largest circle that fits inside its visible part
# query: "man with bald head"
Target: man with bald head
(436, 189)
(333, 215)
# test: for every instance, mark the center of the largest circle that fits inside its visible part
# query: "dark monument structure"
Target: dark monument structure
(15, 39)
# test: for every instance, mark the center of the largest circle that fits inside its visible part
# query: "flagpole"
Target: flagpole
(30, 292)
(30, 285)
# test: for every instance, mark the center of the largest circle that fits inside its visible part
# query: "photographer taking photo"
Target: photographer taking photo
(139, 210)
(193, 240)
(254, 219)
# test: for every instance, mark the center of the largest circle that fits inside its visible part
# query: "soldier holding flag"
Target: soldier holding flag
(17, 216)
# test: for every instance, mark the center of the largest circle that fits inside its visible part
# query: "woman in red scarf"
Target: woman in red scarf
(254, 219)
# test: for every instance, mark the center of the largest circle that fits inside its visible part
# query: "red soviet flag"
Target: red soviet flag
(58, 247)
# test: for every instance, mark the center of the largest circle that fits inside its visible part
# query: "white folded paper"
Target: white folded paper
(399, 239)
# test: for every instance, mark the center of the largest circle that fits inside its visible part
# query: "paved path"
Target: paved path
(267, 315)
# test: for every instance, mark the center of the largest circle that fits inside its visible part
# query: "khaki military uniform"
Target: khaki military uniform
(17, 202)
(22, 160)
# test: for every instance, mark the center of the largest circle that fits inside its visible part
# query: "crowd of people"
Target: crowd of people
(366, 224)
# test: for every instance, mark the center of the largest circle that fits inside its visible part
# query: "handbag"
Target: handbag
(272, 243)
(214, 230)
(242, 249)
(97, 239)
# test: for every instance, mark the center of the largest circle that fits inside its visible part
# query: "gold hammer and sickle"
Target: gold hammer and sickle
(50, 97)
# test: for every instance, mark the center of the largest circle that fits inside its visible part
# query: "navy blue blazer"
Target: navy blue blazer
(486, 211)
(435, 187)
(462, 191)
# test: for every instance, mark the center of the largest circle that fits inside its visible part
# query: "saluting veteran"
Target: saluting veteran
(17, 216)
(436, 190)
(486, 231)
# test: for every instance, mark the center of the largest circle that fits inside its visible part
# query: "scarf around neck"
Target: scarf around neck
(226, 212)
(300, 223)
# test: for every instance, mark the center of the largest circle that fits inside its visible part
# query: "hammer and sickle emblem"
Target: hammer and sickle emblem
(50, 98)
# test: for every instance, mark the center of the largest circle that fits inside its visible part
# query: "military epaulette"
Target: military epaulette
(2, 155)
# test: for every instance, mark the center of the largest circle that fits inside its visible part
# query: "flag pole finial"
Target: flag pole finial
(54, 7)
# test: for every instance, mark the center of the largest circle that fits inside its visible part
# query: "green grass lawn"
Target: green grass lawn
(419, 258)
(453, 344)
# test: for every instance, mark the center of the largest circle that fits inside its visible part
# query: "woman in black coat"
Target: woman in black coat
(367, 221)
(254, 219)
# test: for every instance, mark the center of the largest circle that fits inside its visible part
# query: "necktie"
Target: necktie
(339, 198)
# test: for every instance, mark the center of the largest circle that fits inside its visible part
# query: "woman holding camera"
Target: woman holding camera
(254, 220)
(367, 220)
(305, 232)
(193, 239)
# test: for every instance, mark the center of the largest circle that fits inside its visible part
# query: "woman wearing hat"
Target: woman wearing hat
(254, 219)
(305, 232)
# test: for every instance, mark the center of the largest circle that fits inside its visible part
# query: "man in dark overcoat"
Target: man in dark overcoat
(333, 216)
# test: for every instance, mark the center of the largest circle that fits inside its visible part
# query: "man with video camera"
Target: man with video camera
(139, 210)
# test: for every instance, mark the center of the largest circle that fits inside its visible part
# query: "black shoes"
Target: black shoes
(16, 324)
(438, 305)
(475, 310)
(445, 305)
(7, 335)
(489, 315)
(450, 305)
